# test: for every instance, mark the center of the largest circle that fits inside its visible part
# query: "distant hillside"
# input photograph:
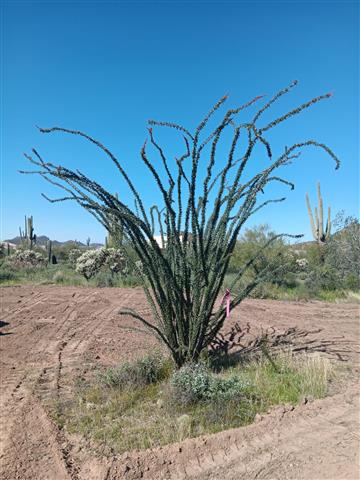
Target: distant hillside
(42, 240)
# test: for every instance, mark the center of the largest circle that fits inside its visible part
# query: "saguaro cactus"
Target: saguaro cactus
(27, 235)
(317, 224)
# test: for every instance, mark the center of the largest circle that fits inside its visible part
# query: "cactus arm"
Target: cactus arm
(317, 238)
(311, 217)
(328, 225)
(321, 214)
(30, 230)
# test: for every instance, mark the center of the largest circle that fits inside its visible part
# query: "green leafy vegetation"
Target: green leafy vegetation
(61, 274)
(128, 408)
(149, 369)
(328, 272)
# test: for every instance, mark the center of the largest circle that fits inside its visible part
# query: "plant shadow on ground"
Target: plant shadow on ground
(142, 404)
(4, 324)
(240, 346)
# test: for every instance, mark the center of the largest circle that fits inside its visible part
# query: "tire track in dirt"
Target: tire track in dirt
(265, 450)
(55, 382)
(37, 450)
(19, 382)
(11, 312)
(13, 392)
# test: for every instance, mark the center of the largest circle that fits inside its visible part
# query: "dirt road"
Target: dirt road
(50, 335)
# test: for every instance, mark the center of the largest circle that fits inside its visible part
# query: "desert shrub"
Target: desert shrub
(302, 263)
(343, 250)
(90, 262)
(351, 281)
(323, 277)
(104, 279)
(115, 261)
(73, 256)
(276, 257)
(59, 277)
(149, 369)
(335, 264)
(6, 272)
(195, 383)
(27, 258)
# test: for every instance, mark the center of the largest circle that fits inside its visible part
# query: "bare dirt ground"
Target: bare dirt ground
(51, 335)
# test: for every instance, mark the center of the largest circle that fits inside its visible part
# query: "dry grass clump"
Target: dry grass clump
(150, 369)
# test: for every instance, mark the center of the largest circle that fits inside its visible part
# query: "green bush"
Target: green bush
(27, 259)
(105, 279)
(352, 281)
(277, 256)
(149, 369)
(6, 272)
(195, 383)
(323, 277)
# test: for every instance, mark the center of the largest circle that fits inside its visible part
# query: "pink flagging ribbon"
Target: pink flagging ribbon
(227, 297)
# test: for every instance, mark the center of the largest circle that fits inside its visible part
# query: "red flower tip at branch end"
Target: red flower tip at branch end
(259, 97)
(330, 94)
(150, 130)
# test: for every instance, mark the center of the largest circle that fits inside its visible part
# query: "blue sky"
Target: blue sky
(107, 67)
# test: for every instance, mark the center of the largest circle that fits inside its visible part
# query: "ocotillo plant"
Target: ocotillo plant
(27, 237)
(201, 217)
(115, 236)
(320, 234)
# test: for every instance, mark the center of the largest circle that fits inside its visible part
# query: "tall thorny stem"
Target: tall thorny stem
(183, 281)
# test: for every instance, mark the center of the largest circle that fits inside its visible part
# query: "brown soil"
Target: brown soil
(51, 335)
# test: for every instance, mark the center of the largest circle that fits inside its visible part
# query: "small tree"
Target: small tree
(201, 218)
